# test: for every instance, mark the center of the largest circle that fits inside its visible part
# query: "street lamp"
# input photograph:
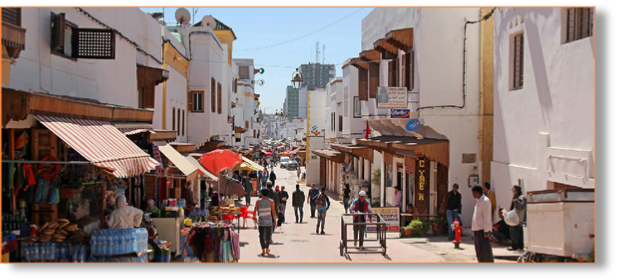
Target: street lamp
(297, 80)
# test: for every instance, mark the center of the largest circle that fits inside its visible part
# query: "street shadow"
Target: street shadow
(276, 244)
(269, 256)
(243, 244)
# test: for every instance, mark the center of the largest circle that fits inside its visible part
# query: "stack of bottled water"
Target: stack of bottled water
(54, 252)
(110, 242)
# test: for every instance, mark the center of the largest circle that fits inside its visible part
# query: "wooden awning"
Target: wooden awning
(403, 39)
(330, 155)
(163, 135)
(355, 150)
(370, 55)
(359, 63)
(385, 48)
(211, 145)
(434, 149)
(147, 75)
(239, 129)
(17, 105)
(183, 147)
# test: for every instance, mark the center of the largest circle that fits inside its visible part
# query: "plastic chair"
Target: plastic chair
(228, 218)
(247, 215)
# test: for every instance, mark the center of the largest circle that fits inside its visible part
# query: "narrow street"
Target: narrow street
(295, 243)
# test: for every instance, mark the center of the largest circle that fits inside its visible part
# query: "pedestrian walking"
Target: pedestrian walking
(298, 200)
(453, 202)
(283, 196)
(492, 197)
(346, 197)
(274, 197)
(517, 232)
(266, 220)
(482, 226)
(248, 190)
(273, 177)
(264, 178)
(360, 205)
(259, 182)
(322, 203)
(298, 171)
(313, 192)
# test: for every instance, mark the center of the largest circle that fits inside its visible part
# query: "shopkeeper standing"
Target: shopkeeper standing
(124, 216)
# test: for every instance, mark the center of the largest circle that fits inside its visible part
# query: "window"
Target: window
(580, 23)
(243, 72)
(393, 72)
(407, 70)
(235, 85)
(183, 122)
(340, 123)
(197, 101)
(374, 79)
(518, 61)
(11, 15)
(178, 126)
(173, 118)
(357, 107)
(70, 41)
(219, 99)
(213, 95)
(363, 79)
(146, 97)
(246, 124)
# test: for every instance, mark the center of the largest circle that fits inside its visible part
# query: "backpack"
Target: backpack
(320, 201)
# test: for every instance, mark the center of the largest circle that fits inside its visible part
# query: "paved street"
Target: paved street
(300, 243)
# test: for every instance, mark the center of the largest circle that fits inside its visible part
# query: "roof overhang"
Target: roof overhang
(370, 56)
(330, 155)
(355, 150)
(387, 50)
(403, 39)
(433, 149)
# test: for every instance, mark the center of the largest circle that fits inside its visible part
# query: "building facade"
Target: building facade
(316, 75)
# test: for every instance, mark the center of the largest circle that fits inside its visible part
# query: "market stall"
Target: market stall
(210, 242)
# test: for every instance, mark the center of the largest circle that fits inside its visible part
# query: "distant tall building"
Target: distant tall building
(316, 75)
(292, 102)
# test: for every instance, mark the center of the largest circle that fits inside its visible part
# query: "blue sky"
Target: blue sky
(259, 27)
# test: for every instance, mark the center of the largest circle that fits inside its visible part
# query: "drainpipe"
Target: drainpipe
(464, 84)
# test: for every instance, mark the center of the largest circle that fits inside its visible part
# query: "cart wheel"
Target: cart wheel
(341, 248)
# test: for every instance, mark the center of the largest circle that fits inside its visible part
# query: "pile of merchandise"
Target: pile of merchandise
(210, 242)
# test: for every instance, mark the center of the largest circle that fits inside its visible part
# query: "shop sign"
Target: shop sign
(390, 215)
(422, 183)
(413, 125)
(400, 113)
(392, 97)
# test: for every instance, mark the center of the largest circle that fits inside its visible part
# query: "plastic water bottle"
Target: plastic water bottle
(28, 249)
(94, 242)
(43, 254)
(134, 241)
(35, 253)
(104, 244)
(126, 237)
(54, 252)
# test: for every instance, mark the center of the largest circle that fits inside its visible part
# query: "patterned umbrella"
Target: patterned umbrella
(219, 160)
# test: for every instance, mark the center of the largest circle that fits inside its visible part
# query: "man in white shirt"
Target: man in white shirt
(482, 225)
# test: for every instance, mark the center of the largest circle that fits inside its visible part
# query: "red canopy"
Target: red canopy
(219, 160)
(269, 154)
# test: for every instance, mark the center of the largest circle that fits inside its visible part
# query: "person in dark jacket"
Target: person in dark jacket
(283, 196)
(298, 200)
(517, 232)
(501, 231)
(273, 177)
(453, 210)
(313, 192)
(248, 186)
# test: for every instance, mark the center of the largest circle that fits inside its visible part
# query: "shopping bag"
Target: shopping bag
(512, 218)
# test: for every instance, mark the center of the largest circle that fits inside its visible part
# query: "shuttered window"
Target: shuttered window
(408, 70)
(580, 23)
(219, 99)
(213, 95)
(357, 107)
(173, 118)
(183, 122)
(393, 73)
(374, 79)
(68, 40)
(363, 79)
(340, 123)
(12, 16)
(518, 61)
(197, 101)
(147, 97)
(178, 126)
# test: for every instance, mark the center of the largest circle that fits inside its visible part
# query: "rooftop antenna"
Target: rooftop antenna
(317, 52)
(323, 51)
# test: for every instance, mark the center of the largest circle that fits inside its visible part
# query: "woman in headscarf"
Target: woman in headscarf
(124, 216)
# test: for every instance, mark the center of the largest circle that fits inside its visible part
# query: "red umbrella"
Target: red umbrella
(219, 160)
(269, 154)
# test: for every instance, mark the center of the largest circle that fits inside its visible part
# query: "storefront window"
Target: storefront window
(410, 195)
(388, 176)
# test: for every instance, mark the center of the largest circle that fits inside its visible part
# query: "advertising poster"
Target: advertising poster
(392, 97)
(390, 215)
(254, 182)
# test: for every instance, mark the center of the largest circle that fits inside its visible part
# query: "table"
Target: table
(237, 215)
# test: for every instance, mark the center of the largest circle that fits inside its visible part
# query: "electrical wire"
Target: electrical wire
(304, 36)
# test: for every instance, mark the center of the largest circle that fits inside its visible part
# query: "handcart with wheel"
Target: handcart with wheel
(372, 220)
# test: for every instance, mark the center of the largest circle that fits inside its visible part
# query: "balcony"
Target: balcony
(14, 38)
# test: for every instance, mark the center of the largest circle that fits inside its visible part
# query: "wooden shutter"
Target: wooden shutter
(213, 93)
(178, 126)
(173, 118)
(44, 143)
(12, 16)
(340, 123)
(183, 122)
(148, 96)
(190, 99)
(363, 79)
(219, 99)
(374, 79)
(58, 26)
(407, 70)
(393, 73)
(254, 133)
(410, 71)
(518, 61)
(94, 43)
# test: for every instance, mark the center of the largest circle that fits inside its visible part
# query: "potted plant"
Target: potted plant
(438, 225)
(413, 228)
(425, 225)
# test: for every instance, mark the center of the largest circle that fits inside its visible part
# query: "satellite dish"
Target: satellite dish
(260, 82)
(183, 16)
(209, 21)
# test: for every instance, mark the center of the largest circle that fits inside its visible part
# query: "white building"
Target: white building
(438, 144)
(302, 103)
(543, 134)
(334, 110)
(245, 100)
(316, 106)
(353, 126)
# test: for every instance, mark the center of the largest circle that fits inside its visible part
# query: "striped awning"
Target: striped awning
(102, 144)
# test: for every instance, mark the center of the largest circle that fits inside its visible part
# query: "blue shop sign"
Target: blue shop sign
(413, 125)
(400, 113)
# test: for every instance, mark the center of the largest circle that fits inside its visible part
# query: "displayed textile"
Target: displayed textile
(211, 242)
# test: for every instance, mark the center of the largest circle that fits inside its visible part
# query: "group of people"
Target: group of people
(484, 230)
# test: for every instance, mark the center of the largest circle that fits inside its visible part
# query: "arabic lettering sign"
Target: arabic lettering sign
(392, 97)
(390, 215)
